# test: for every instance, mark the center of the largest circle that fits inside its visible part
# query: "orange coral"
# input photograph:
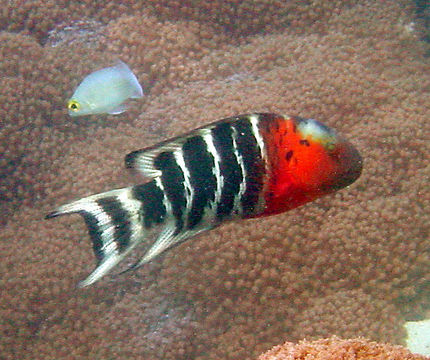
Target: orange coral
(236, 291)
(335, 348)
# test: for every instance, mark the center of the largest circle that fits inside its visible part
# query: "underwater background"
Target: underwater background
(356, 263)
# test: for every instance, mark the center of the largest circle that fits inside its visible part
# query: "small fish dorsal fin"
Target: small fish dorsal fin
(143, 160)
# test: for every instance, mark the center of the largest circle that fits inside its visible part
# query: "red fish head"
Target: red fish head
(311, 160)
(327, 161)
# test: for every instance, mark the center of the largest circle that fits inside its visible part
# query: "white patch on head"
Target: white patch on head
(311, 128)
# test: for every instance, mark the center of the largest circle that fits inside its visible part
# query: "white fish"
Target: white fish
(104, 91)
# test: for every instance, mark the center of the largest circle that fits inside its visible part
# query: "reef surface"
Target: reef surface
(356, 263)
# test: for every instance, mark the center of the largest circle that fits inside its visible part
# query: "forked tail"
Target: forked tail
(114, 226)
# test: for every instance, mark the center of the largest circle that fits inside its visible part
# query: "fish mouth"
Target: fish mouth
(352, 168)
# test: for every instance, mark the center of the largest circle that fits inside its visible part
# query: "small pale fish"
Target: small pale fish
(104, 91)
(242, 167)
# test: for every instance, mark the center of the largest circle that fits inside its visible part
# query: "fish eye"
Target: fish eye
(330, 146)
(73, 105)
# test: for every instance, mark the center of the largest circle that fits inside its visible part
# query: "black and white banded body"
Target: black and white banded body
(211, 175)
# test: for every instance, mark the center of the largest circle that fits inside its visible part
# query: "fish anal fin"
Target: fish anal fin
(118, 109)
(165, 240)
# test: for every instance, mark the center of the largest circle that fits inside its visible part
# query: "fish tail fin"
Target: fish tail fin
(113, 221)
(132, 82)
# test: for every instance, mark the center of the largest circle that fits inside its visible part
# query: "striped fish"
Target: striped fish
(240, 167)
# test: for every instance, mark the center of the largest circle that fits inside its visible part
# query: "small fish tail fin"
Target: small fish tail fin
(113, 224)
(133, 83)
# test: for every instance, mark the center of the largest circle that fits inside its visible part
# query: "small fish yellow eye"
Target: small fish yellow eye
(73, 105)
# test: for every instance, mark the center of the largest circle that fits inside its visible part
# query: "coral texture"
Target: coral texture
(356, 263)
(335, 348)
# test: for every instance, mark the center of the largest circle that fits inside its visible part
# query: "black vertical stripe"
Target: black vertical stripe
(200, 164)
(229, 168)
(173, 180)
(266, 122)
(120, 219)
(151, 196)
(253, 163)
(130, 159)
(95, 233)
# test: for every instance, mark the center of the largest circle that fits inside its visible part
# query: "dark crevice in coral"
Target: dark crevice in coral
(422, 10)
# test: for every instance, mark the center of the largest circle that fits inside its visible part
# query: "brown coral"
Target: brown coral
(235, 17)
(37, 80)
(238, 290)
(34, 85)
(349, 313)
(335, 348)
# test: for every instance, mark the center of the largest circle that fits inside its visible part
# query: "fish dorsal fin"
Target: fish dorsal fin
(143, 160)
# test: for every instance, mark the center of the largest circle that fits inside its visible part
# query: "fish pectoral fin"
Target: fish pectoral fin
(143, 160)
(118, 109)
